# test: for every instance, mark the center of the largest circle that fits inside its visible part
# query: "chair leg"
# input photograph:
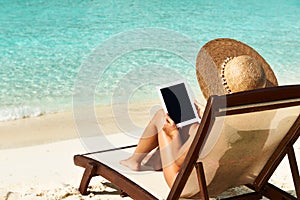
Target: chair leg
(90, 171)
(272, 192)
(294, 169)
(202, 181)
(123, 194)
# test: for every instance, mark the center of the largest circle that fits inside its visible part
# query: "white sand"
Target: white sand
(36, 159)
(36, 154)
(46, 172)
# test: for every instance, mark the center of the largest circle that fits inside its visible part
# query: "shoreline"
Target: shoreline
(60, 126)
(36, 154)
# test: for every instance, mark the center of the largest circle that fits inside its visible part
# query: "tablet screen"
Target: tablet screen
(177, 103)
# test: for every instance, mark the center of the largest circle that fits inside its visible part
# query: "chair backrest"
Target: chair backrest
(241, 139)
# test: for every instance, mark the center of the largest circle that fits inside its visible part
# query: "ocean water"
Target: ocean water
(44, 45)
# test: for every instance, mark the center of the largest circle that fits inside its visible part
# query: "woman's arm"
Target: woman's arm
(173, 152)
(169, 143)
(182, 152)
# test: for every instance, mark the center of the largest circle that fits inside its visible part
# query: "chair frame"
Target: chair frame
(216, 106)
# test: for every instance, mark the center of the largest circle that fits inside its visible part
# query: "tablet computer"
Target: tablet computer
(177, 102)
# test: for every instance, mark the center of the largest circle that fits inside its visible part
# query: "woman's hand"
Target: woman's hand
(200, 108)
(170, 127)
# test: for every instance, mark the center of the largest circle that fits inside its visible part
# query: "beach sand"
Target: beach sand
(36, 156)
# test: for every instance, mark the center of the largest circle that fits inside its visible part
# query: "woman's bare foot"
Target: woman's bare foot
(131, 163)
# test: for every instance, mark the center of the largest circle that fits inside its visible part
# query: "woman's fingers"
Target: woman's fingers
(200, 108)
(198, 104)
(170, 128)
(169, 125)
(169, 120)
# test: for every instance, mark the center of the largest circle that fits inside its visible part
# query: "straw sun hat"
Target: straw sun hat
(225, 66)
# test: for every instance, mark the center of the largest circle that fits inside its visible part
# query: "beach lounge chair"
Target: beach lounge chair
(260, 126)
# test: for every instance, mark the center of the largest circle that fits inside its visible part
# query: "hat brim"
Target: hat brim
(213, 54)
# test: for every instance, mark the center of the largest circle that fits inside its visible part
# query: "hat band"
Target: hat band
(224, 82)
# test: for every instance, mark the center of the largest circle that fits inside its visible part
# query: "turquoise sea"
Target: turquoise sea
(44, 43)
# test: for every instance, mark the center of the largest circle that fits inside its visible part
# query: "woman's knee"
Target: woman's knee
(160, 113)
(159, 119)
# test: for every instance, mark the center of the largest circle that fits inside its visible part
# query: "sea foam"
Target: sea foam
(19, 112)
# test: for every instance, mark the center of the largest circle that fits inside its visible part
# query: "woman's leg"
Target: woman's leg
(169, 166)
(147, 142)
(174, 149)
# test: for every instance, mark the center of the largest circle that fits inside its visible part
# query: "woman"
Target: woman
(224, 66)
